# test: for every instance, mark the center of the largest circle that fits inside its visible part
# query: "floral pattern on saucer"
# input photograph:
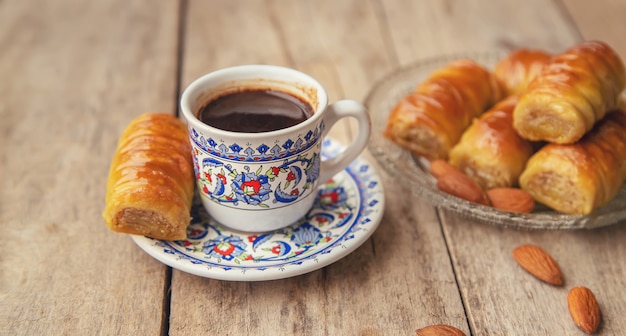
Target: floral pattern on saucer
(346, 212)
(313, 231)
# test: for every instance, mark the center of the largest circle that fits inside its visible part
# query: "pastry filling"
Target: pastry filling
(143, 222)
(558, 192)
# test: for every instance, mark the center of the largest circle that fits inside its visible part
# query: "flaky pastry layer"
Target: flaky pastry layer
(572, 92)
(430, 120)
(490, 150)
(151, 180)
(581, 177)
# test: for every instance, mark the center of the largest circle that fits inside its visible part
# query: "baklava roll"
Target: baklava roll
(518, 68)
(151, 180)
(571, 94)
(490, 150)
(581, 177)
(430, 120)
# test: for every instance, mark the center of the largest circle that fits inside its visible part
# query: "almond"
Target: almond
(539, 263)
(439, 330)
(441, 167)
(462, 186)
(584, 309)
(511, 199)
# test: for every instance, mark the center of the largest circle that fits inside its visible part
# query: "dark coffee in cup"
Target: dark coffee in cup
(252, 110)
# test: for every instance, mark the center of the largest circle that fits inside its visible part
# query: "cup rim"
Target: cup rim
(220, 76)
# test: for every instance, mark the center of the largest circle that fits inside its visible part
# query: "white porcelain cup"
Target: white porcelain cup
(259, 182)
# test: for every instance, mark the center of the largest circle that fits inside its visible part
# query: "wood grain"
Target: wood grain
(421, 29)
(73, 77)
(605, 22)
(590, 258)
(481, 253)
(598, 262)
(391, 284)
(75, 73)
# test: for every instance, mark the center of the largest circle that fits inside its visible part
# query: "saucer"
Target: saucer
(346, 212)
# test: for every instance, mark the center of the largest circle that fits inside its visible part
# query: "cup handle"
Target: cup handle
(339, 110)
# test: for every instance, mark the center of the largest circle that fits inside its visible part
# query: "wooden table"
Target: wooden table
(74, 73)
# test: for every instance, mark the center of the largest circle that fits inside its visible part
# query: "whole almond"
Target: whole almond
(539, 263)
(439, 330)
(441, 167)
(511, 199)
(584, 309)
(462, 186)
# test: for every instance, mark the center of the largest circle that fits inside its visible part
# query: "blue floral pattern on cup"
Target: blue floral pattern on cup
(257, 152)
(276, 182)
(224, 174)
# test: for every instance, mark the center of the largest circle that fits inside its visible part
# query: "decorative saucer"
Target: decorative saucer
(347, 211)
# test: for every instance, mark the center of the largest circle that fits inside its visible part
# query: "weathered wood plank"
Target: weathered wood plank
(398, 280)
(600, 21)
(421, 29)
(74, 73)
(481, 253)
(594, 259)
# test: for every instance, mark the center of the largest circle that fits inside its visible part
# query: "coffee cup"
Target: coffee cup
(256, 133)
